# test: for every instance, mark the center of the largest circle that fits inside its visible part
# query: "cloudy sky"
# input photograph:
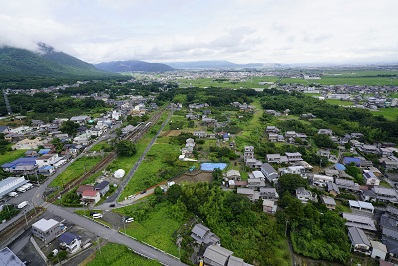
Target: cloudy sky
(241, 31)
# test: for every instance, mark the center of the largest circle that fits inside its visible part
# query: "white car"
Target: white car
(128, 219)
(131, 197)
(97, 215)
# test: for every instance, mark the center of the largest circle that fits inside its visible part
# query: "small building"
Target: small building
(216, 255)
(359, 240)
(321, 180)
(10, 184)
(361, 206)
(203, 235)
(329, 202)
(332, 188)
(70, 242)
(102, 188)
(269, 206)
(82, 188)
(359, 221)
(371, 179)
(7, 257)
(91, 196)
(269, 172)
(379, 250)
(46, 230)
(232, 175)
(304, 195)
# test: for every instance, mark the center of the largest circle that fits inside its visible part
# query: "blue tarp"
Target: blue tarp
(212, 166)
(339, 167)
(44, 151)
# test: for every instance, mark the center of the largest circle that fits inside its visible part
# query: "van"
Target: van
(128, 219)
(97, 215)
(13, 194)
(21, 189)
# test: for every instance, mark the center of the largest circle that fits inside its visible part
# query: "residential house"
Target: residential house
(91, 196)
(359, 221)
(272, 137)
(203, 235)
(31, 153)
(390, 164)
(248, 153)
(5, 129)
(369, 149)
(48, 159)
(269, 172)
(293, 156)
(207, 121)
(359, 241)
(47, 230)
(298, 170)
(46, 170)
(329, 202)
(232, 175)
(389, 231)
(379, 250)
(332, 188)
(305, 195)
(70, 242)
(255, 183)
(276, 158)
(269, 193)
(272, 129)
(215, 255)
(324, 131)
(347, 184)
(82, 119)
(361, 206)
(191, 116)
(248, 192)
(82, 188)
(324, 153)
(24, 165)
(321, 180)
(200, 134)
(371, 179)
(28, 144)
(102, 187)
(253, 163)
(269, 206)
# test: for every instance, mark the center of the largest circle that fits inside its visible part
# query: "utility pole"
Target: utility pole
(99, 246)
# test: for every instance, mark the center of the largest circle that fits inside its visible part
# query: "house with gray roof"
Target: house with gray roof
(359, 241)
(216, 255)
(389, 231)
(269, 172)
(203, 235)
(359, 221)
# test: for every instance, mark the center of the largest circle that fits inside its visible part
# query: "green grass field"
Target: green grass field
(10, 156)
(389, 113)
(157, 229)
(147, 174)
(76, 169)
(208, 82)
(100, 146)
(338, 102)
(119, 255)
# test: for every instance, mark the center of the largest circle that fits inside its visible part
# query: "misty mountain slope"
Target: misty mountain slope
(47, 62)
(133, 65)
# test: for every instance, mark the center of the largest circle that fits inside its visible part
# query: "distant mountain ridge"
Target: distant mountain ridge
(46, 62)
(133, 65)
(211, 64)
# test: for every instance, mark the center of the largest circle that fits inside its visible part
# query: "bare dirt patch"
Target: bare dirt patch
(171, 133)
(195, 176)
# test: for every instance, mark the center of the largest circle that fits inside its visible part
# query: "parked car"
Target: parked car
(143, 192)
(97, 215)
(131, 197)
(128, 219)
(112, 205)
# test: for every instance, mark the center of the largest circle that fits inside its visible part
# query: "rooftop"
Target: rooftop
(44, 224)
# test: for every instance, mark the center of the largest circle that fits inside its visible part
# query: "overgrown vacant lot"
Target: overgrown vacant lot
(159, 165)
(119, 255)
(153, 226)
(76, 169)
(11, 156)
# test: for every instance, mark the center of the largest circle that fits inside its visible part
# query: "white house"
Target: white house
(379, 250)
(304, 195)
(70, 242)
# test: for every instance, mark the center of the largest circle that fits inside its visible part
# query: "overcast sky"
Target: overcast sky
(241, 31)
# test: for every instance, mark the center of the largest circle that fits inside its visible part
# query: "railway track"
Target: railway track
(138, 132)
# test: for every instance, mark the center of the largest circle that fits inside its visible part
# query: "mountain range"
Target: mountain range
(133, 65)
(44, 62)
(211, 65)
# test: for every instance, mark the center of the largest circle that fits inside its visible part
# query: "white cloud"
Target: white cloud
(286, 31)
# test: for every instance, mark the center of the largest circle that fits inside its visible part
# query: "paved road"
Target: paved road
(113, 199)
(113, 236)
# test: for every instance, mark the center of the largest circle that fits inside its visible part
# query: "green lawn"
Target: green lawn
(119, 255)
(389, 113)
(10, 156)
(338, 102)
(384, 183)
(100, 146)
(76, 169)
(157, 229)
(153, 169)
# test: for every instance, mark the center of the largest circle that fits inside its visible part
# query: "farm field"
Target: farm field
(389, 113)
(156, 227)
(118, 255)
(208, 82)
(339, 102)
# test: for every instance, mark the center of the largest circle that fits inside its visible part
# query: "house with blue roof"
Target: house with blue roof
(46, 170)
(70, 242)
(355, 160)
(24, 165)
(44, 151)
(102, 187)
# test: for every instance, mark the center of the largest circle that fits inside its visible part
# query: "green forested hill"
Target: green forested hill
(15, 62)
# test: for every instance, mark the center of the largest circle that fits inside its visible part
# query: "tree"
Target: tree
(69, 127)
(125, 148)
(289, 182)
